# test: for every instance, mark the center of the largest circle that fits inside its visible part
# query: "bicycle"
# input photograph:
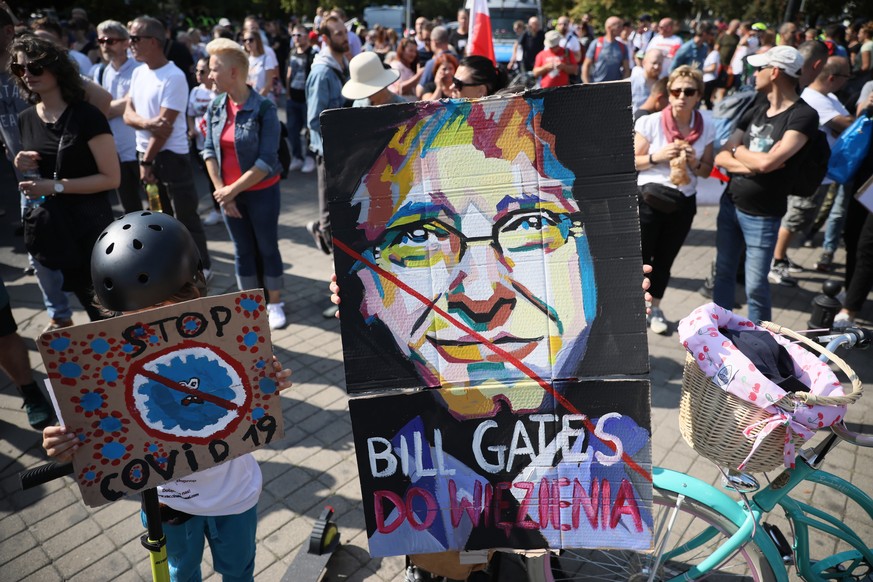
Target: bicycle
(701, 532)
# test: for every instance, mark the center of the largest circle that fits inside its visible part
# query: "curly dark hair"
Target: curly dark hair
(55, 60)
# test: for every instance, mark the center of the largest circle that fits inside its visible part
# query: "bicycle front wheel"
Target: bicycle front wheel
(687, 538)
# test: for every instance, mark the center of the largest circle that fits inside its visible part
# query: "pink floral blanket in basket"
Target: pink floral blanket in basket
(733, 372)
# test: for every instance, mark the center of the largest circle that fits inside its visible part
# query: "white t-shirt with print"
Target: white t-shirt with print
(152, 89)
(227, 489)
(198, 103)
(649, 126)
(258, 67)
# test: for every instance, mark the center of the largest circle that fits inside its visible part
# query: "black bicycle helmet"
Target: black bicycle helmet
(142, 259)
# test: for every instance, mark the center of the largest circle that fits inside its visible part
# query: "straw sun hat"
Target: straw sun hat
(368, 76)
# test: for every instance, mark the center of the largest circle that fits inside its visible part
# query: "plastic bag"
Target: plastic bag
(850, 149)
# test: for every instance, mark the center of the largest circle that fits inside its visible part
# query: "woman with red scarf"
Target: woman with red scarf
(671, 149)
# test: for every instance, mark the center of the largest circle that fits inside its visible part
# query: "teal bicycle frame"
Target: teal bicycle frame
(748, 521)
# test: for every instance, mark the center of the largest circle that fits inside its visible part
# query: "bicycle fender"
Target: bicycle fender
(844, 487)
(706, 494)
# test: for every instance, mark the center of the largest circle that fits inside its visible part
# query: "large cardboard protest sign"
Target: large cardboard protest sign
(489, 262)
(157, 395)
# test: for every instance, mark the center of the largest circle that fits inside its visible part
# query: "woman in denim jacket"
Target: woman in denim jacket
(241, 154)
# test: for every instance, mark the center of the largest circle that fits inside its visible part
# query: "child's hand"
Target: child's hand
(646, 283)
(59, 442)
(334, 292)
(283, 376)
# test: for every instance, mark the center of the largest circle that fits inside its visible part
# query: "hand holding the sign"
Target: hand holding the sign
(59, 442)
(646, 283)
(334, 292)
(283, 375)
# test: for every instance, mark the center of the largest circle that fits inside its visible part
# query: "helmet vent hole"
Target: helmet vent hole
(143, 278)
(146, 214)
(156, 227)
(109, 248)
(101, 237)
(108, 284)
(126, 227)
(136, 244)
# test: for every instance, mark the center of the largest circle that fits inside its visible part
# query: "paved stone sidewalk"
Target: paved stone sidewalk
(47, 534)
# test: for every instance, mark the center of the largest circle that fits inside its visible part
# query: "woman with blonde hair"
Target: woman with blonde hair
(672, 148)
(263, 67)
(241, 154)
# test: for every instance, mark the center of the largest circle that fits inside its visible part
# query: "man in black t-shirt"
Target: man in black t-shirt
(761, 158)
(532, 42)
(458, 37)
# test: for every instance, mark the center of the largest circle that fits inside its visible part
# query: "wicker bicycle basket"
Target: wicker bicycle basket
(712, 420)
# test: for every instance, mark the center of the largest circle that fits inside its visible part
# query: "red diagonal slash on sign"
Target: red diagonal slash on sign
(494, 348)
(226, 404)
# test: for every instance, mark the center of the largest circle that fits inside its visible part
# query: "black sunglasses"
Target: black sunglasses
(248, 40)
(109, 41)
(687, 91)
(35, 69)
(202, 71)
(459, 84)
(135, 38)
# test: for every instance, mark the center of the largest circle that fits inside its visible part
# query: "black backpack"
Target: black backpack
(812, 165)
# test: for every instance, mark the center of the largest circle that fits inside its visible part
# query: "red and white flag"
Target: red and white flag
(480, 42)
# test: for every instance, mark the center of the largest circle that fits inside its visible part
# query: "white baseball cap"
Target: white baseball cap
(367, 76)
(786, 58)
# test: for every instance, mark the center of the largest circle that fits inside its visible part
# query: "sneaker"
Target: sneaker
(295, 165)
(276, 315)
(825, 263)
(657, 321)
(56, 324)
(207, 275)
(789, 265)
(843, 320)
(330, 312)
(213, 218)
(39, 411)
(308, 165)
(318, 238)
(779, 275)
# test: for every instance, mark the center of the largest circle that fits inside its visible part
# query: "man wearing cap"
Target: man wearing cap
(639, 38)
(554, 64)
(369, 81)
(761, 158)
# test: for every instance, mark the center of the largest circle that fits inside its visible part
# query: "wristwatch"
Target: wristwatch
(59, 188)
(145, 163)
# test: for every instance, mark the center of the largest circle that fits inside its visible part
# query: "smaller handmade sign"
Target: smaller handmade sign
(160, 394)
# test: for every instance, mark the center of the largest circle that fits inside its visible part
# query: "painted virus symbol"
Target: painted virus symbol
(90, 401)
(250, 339)
(90, 475)
(112, 451)
(250, 306)
(110, 424)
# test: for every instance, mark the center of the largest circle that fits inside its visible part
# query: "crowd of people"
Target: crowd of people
(91, 113)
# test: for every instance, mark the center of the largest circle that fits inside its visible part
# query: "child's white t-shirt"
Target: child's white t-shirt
(227, 489)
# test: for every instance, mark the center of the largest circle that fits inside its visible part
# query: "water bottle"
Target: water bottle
(154, 197)
(30, 175)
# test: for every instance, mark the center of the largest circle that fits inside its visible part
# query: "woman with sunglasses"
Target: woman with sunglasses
(672, 148)
(241, 154)
(263, 66)
(69, 144)
(477, 77)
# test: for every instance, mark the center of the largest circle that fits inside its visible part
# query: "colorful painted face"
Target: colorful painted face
(478, 256)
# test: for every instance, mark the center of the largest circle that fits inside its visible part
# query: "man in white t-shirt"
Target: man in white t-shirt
(156, 110)
(666, 42)
(569, 40)
(833, 118)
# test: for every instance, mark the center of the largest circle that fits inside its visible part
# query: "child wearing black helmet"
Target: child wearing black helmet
(141, 261)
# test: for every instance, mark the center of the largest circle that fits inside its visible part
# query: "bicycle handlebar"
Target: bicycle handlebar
(861, 440)
(44, 473)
